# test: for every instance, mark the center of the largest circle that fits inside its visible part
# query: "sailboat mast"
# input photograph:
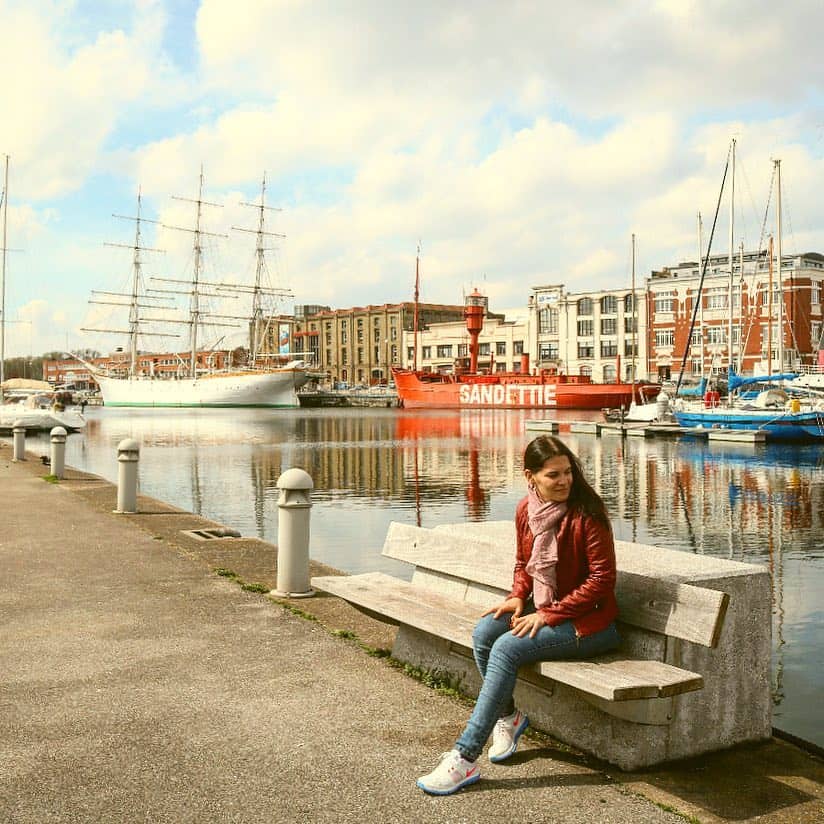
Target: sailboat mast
(700, 296)
(770, 310)
(731, 258)
(415, 321)
(3, 281)
(257, 302)
(778, 273)
(634, 323)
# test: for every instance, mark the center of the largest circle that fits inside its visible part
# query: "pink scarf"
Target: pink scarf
(543, 522)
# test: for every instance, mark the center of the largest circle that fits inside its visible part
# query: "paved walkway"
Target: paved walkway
(136, 684)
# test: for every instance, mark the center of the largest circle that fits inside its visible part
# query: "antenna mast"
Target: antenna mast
(415, 322)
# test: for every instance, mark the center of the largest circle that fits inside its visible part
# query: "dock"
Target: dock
(647, 430)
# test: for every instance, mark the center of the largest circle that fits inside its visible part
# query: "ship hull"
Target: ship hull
(275, 388)
(778, 425)
(421, 390)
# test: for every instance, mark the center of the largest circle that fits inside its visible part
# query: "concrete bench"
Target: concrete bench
(692, 674)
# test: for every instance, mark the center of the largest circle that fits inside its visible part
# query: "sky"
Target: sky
(515, 144)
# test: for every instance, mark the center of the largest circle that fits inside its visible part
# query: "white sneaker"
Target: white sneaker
(452, 773)
(505, 736)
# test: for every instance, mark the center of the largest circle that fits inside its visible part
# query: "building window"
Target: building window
(548, 322)
(630, 349)
(516, 367)
(500, 366)
(394, 354)
(344, 324)
(609, 305)
(377, 336)
(665, 302)
(609, 326)
(585, 306)
(717, 298)
(377, 357)
(344, 356)
(697, 338)
(463, 350)
(586, 350)
(548, 351)
(815, 293)
(609, 348)
(410, 353)
(585, 328)
(695, 366)
(328, 338)
(376, 322)
(426, 351)
(585, 371)
(360, 354)
(445, 350)
(517, 347)
(344, 337)
(609, 373)
(329, 356)
(629, 303)
(360, 335)
(765, 296)
(665, 337)
(483, 349)
(716, 334)
(500, 347)
(630, 324)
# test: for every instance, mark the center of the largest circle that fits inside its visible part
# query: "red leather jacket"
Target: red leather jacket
(585, 571)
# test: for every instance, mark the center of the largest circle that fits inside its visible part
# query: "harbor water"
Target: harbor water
(760, 504)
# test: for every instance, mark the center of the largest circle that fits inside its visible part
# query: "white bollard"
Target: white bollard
(294, 507)
(58, 451)
(128, 456)
(19, 441)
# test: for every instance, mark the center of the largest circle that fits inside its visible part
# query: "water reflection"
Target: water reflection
(759, 504)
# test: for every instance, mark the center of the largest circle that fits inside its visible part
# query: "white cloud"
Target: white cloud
(520, 144)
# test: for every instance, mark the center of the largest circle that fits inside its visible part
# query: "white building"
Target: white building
(596, 333)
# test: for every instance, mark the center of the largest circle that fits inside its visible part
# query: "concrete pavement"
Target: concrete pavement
(138, 684)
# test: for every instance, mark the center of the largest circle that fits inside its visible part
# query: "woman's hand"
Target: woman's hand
(513, 605)
(523, 624)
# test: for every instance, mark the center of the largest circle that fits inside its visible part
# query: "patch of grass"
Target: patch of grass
(51, 479)
(296, 610)
(345, 633)
(438, 680)
(254, 587)
(224, 573)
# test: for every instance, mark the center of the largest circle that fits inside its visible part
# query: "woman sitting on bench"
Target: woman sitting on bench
(565, 561)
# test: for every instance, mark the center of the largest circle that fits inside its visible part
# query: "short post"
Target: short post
(294, 507)
(19, 441)
(128, 457)
(58, 451)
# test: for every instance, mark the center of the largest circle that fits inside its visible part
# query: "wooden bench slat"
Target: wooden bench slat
(613, 678)
(679, 610)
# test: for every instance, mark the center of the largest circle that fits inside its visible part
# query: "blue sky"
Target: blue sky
(521, 144)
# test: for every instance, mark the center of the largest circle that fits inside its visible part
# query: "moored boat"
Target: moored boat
(511, 391)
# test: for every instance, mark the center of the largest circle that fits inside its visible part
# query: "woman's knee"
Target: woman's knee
(488, 630)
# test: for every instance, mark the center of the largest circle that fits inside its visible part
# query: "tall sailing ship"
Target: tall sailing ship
(261, 382)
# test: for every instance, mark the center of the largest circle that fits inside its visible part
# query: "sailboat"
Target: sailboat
(34, 411)
(257, 384)
(771, 412)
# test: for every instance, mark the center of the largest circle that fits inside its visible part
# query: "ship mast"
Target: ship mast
(415, 322)
(136, 294)
(778, 273)
(258, 291)
(731, 258)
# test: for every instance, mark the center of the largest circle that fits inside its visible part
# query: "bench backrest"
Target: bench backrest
(478, 559)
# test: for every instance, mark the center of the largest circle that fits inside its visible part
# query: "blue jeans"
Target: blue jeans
(499, 654)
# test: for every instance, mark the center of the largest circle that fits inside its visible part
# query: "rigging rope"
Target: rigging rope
(701, 281)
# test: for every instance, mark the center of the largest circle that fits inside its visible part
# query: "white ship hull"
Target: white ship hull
(272, 388)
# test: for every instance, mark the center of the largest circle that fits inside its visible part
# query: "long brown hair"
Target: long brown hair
(581, 496)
